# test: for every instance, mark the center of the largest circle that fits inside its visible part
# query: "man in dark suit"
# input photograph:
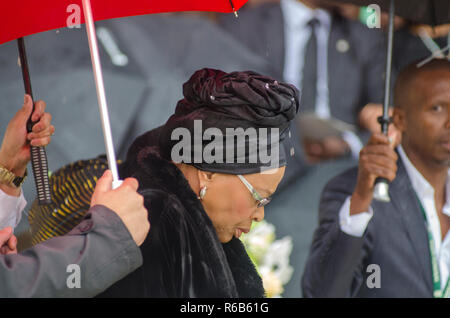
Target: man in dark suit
(365, 248)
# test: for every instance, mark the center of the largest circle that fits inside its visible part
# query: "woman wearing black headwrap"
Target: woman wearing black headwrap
(203, 192)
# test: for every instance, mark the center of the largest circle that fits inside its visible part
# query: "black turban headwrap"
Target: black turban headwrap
(238, 100)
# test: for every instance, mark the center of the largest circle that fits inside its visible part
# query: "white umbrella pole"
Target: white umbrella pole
(101, 96)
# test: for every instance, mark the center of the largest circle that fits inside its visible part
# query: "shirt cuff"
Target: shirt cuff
(11, 208)
(354, 225)
(353, 142)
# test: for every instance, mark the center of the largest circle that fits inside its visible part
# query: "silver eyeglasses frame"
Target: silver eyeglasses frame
(258, 198)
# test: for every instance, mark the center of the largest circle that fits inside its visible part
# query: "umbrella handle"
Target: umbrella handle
(39, 160)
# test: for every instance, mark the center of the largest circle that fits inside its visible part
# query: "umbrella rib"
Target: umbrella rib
(434, 55)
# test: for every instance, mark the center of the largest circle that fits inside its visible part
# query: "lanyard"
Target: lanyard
(437, 292)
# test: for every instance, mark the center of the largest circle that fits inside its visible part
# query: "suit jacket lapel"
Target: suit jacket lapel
(403, 198)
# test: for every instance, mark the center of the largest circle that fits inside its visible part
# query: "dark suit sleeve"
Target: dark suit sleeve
(336, 260)
(101, 245)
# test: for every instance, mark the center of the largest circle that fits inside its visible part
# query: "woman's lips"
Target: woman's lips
(239, 232)
(446, 144)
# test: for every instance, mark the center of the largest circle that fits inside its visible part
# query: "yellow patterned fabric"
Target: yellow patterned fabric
(72, 188)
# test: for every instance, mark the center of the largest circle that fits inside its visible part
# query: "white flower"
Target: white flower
(271, 257)
(277, 259)
(258, 240)
(272, 285)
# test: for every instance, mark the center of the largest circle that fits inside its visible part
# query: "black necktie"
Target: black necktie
(309, 79)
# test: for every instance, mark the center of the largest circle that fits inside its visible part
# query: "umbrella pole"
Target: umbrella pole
(101, 96)
(38, 155)
(381, 190)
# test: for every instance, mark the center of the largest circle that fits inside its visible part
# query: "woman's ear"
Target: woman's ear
(205, 177)
(399, 119)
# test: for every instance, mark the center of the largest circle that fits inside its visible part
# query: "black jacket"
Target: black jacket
(183, 256)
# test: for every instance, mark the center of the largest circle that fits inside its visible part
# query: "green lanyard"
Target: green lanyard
(437, 292)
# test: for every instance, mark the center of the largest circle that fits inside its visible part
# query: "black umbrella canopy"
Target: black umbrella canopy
(432, 12)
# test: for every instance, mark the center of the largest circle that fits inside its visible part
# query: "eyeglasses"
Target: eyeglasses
(259, 199)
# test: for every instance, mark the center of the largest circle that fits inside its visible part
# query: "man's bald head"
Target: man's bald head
(422, 113)
(411, 80)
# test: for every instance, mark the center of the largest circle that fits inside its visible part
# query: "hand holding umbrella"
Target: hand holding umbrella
(15, 148)
(38, 154)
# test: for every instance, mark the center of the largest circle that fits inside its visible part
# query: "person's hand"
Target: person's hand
(126, 202)
(8, 242)
(331, 147)
(368, 119)
(376, 159)
(15, 149)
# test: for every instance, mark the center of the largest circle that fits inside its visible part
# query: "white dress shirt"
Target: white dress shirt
(356, 224)
(11, 208)
(297, 33)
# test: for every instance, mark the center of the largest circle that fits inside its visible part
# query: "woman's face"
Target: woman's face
(231, 206)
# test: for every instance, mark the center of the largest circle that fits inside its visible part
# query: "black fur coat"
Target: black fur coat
(183, 256)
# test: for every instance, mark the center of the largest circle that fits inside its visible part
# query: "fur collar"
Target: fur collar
(155, 172)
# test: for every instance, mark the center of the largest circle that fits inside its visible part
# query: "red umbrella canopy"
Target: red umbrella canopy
(25, 17)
